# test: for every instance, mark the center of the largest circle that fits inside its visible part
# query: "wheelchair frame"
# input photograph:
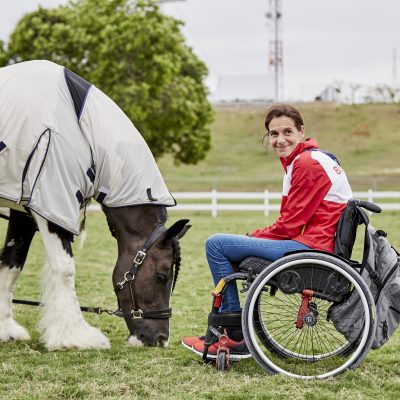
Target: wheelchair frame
(285, 318)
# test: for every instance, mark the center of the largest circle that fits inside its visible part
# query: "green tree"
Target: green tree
(136, 55)
(3, 55)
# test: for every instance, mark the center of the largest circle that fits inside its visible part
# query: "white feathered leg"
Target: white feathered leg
(62, 323)
(9, 328)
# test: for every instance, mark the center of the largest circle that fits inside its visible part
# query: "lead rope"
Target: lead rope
(95, 310)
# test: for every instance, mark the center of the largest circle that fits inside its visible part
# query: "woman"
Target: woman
(315, 192)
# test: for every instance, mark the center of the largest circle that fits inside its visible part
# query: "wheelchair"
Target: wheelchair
(286, 316)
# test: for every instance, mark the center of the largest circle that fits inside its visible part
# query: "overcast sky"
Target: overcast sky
(323, 40)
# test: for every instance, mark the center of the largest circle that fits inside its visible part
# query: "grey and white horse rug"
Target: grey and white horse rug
(62, 143)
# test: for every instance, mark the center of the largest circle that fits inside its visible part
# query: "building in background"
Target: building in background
(354, 93)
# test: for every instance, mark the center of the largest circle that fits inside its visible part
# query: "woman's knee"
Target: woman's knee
(214, 242)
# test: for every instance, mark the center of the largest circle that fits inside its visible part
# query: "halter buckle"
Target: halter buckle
(120, 285)
(137, 314)
(139, 258)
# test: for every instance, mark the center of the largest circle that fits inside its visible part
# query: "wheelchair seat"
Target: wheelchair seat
(255, 263)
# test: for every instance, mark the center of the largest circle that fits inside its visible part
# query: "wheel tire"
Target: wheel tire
(222, 361)
(283, 357)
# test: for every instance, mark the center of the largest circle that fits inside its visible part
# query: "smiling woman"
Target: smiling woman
(285, 129)
(284, 136)
(315, 192)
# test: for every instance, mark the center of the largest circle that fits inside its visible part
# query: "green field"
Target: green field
(365, 138)
(28, 371)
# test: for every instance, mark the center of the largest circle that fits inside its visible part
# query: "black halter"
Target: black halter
(129, 276)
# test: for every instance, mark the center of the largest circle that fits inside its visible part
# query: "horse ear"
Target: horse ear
(177, 230)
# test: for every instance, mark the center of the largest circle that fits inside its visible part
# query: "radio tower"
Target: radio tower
(276, 46)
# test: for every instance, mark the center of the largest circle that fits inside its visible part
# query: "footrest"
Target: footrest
(225, 319)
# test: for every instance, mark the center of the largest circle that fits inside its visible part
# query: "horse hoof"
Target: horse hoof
(84, 339)
(11, 331)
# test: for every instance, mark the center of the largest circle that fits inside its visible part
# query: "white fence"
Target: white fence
(266, 201)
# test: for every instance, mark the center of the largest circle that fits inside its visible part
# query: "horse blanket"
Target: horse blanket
(63, 141)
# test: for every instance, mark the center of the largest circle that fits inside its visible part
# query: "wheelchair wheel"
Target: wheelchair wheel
(222, 362)
(290, 332)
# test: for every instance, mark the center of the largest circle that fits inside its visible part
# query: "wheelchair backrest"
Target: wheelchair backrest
(346, 230)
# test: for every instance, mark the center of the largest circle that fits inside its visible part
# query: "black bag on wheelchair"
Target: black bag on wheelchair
(346, 231)
(380, 270)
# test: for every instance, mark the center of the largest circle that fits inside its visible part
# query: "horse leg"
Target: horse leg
(20, 231)
(62, 323)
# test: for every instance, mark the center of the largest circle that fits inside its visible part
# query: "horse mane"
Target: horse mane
(177, 260)
(162, 214)
(82, 225)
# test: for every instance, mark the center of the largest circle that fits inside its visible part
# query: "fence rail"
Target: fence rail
(258, 201)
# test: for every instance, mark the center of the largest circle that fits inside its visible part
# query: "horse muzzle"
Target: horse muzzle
(148, 332)
(141, 340)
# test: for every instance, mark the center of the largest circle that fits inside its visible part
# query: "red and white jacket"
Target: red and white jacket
(315, 192)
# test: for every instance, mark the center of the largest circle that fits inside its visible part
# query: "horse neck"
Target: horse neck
(133, 225)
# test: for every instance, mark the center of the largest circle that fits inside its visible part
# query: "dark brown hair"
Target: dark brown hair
(284, 110)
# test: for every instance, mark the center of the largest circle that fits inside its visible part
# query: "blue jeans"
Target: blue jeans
(223, 248)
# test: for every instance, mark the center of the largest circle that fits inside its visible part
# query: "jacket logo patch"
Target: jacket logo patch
(337, 169)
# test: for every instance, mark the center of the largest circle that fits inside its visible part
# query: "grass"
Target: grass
(365, 138)
(29, 371)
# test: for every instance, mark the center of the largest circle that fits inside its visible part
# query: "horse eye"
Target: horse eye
(161, 278)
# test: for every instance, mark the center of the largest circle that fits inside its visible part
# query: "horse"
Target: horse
(64, 142)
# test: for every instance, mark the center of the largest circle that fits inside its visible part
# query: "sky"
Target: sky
(324, 41)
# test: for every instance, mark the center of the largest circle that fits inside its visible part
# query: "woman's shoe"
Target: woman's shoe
(189, 341)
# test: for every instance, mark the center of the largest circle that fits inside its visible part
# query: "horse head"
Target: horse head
(146, 270)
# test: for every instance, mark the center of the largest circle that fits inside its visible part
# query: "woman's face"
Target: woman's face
(284, 136)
